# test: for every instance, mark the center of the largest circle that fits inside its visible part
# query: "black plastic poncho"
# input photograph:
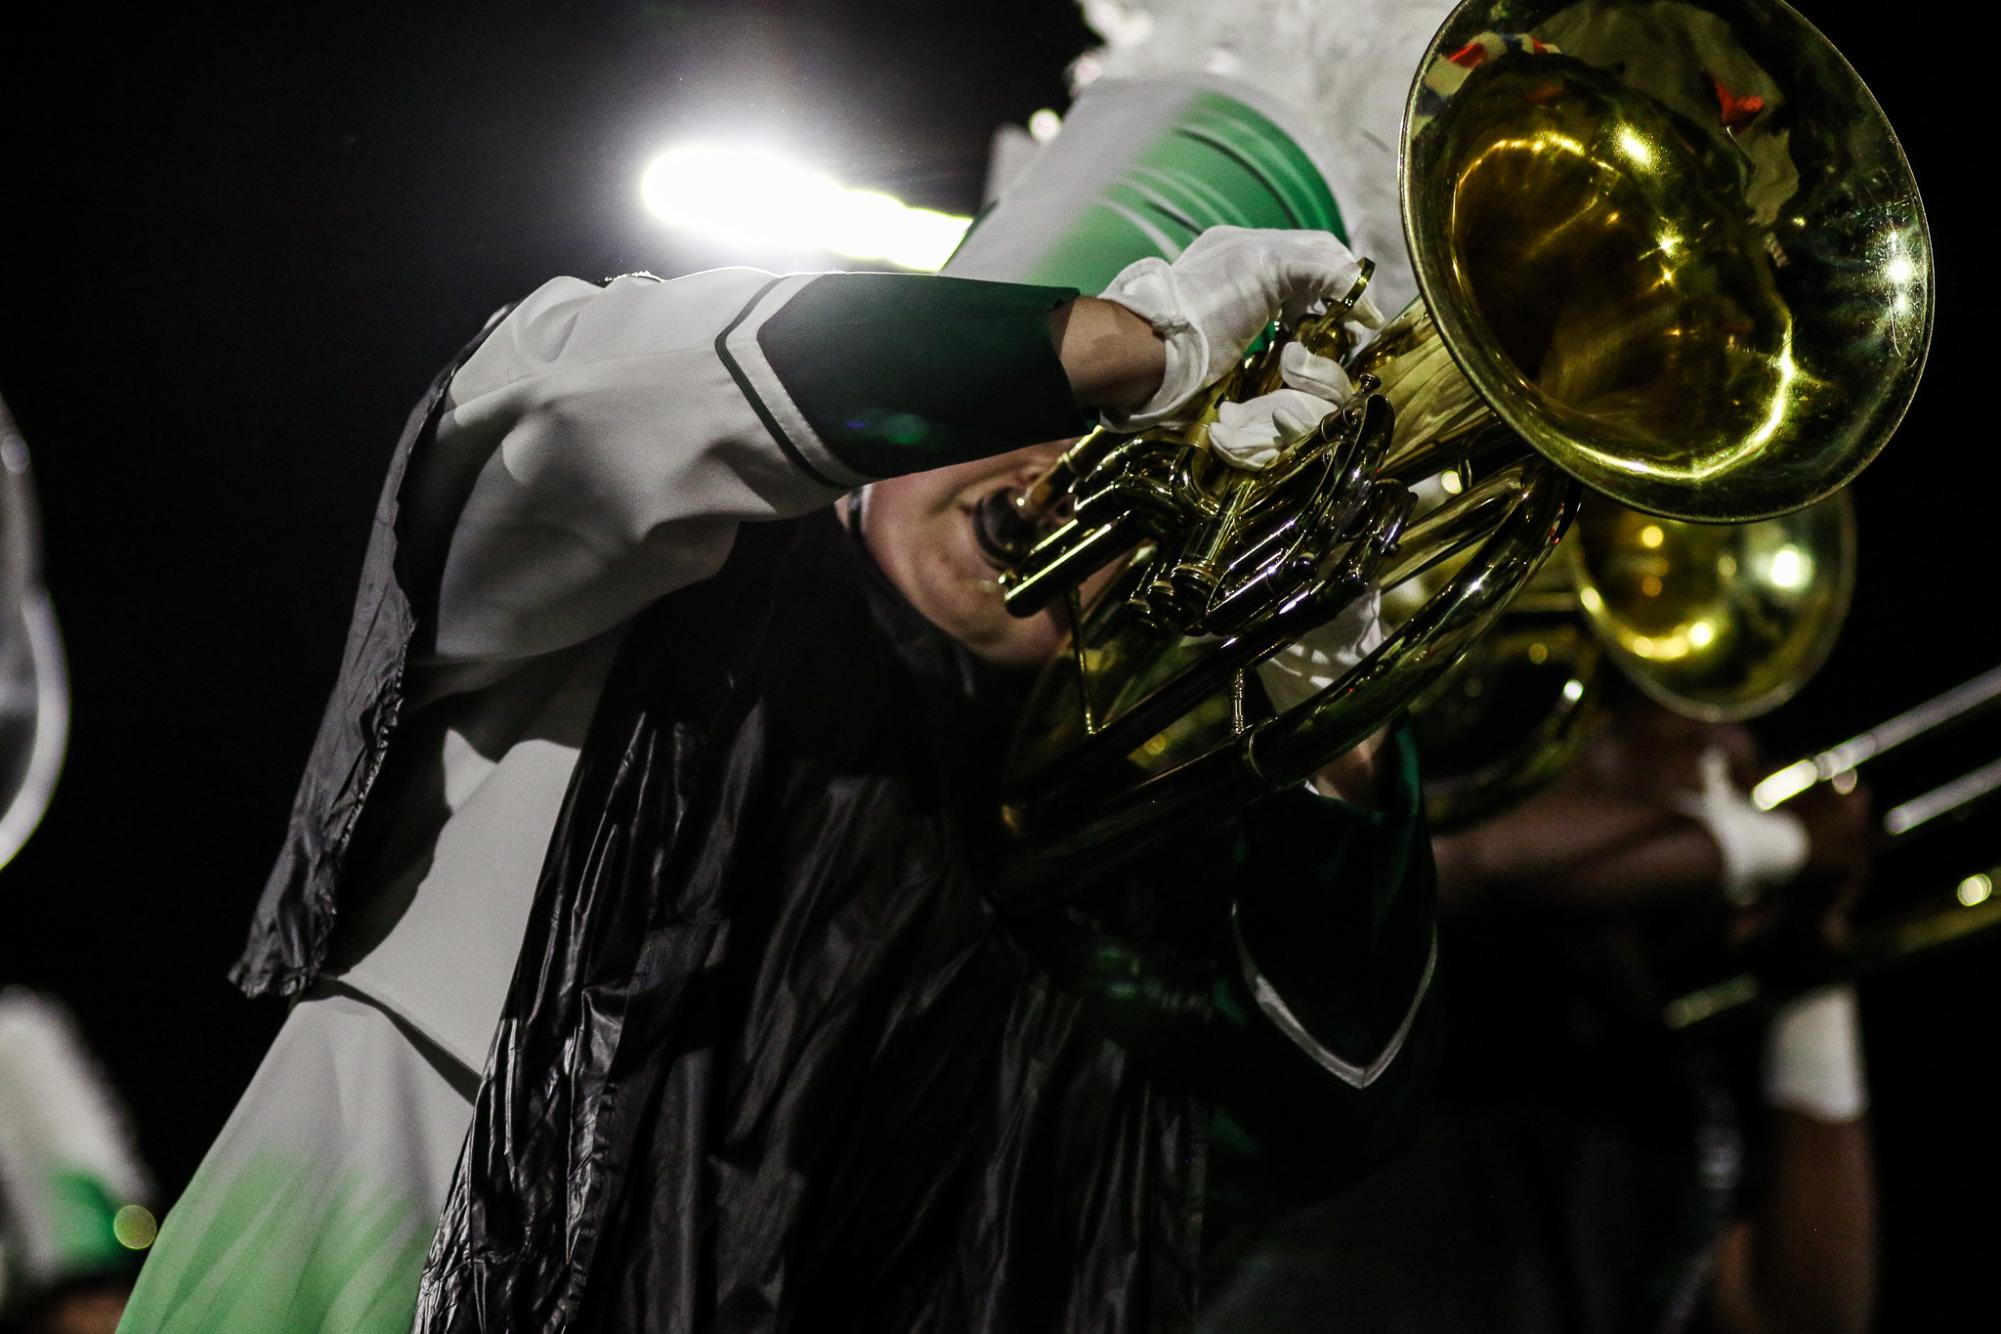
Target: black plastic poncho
(772, 1061)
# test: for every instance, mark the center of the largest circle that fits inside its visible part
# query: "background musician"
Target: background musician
(1586, 1169)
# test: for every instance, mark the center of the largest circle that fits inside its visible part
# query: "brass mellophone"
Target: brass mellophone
(1671, 253)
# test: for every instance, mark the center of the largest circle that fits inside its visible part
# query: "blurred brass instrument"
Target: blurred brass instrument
(1934, 922)
(1837, 765)
(1971, 913)
(1762, 633)
(1669, 251)
(1720, 622)
(34, 677)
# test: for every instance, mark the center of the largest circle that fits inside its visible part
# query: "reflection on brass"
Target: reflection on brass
(1676, 246)
(1715, 621)
(1839, 762)
(1511, 719)
(1670, 249)
(1919, 935)
(1838, 765)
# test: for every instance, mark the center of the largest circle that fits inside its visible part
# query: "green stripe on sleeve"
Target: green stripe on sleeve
(898, 373)
(1216, 162)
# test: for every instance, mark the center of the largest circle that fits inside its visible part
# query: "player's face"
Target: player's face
(920, 530)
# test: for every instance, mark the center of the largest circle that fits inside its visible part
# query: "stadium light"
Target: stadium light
(763, 201)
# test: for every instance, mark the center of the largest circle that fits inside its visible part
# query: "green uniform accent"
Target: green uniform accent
(302, 1256)
(80, 1210)
(1219, 163)
(899, 373)
(1337, 905)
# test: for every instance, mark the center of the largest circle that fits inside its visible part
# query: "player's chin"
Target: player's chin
(970, 587)
(981, 621)
(1015, 645)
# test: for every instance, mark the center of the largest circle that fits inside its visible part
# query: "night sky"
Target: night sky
(239, 242)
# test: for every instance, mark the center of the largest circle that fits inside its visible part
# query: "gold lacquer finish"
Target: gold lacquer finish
(1717, 621)
(1969, 915)
(1514, 715)
(1718, 306)
(1670, 249)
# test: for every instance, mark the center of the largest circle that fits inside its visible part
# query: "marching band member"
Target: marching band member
(632, 898)
(1587, 1170)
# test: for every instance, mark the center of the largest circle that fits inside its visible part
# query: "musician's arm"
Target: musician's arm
(1804, 1261)
(1575, 850)
(603, 444)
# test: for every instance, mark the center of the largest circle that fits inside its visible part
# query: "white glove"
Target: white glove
(1219, 295)
(1251, 434)
(1303, 669)
(1760, 849)
(1813, 1057)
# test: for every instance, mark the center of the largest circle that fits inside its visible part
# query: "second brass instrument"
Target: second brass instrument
(1720, 622)
(1693, 275)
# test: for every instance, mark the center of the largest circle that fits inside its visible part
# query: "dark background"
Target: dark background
(238, 242)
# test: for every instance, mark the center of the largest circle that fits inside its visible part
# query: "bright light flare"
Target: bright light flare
(763, 202)
(1976, 889)
(1784, 785)
(1791, 569)
(1635, 148)
(134, 1227)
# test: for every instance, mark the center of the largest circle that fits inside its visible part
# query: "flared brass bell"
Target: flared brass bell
(1717, 621)
(1720, 622)
(1675, 246)
(1669, 248)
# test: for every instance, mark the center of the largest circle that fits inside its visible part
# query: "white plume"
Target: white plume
(1295, 49)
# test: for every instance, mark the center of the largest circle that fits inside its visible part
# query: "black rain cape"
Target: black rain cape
(771, 1060)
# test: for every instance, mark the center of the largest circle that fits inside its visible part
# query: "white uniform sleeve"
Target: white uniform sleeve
(599, 450)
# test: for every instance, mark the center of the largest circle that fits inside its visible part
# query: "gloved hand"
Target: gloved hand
(1250, 434)
(1760, 849)
(1813, 1057)
(1303, 669)
(1218, 296)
